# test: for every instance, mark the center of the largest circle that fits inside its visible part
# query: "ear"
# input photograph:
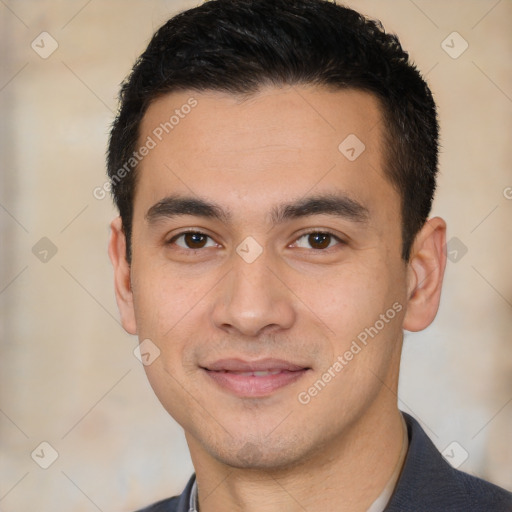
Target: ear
(123, 288)
(425, 275)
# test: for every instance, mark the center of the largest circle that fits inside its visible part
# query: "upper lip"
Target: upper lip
(239, 365)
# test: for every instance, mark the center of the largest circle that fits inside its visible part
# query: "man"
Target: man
(274, 165)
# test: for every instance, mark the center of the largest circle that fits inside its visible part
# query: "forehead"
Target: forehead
(315, 114)
(275, 145)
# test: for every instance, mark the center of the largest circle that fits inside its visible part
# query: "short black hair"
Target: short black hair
(239, 46)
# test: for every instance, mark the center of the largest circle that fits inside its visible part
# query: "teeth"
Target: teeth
(263, 373)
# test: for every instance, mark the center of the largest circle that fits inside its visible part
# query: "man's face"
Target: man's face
(256, 290)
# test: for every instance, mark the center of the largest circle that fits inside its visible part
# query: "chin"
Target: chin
(261, 454)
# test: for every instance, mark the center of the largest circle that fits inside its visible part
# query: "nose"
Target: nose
(252, 299)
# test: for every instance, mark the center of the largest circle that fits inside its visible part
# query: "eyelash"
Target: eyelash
(313, 231)
(322, 232)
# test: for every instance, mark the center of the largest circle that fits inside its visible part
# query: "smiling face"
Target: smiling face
(264, 253)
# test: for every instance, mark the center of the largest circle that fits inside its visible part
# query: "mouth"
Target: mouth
(253, 379)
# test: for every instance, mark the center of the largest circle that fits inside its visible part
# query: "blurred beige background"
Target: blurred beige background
(68, 374)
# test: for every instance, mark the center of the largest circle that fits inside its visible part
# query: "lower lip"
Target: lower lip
(252, 386)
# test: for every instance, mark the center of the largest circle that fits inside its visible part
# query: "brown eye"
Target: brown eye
(191, 240)
(317, 240)
(195, 240)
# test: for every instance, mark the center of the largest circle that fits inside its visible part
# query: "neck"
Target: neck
(347, 476)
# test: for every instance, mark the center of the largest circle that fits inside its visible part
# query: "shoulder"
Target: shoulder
(429, 483)
(482, 495)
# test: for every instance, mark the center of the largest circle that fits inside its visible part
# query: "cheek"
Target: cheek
(162, 299)
(361, 311)
(169, 387)
(172, 311)
(346, 299)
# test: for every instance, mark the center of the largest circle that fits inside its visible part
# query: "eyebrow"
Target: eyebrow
(175, 206)
(335, 204)
(338, 205)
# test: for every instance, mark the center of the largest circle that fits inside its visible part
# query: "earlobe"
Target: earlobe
(425, 275)
(124, 295)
